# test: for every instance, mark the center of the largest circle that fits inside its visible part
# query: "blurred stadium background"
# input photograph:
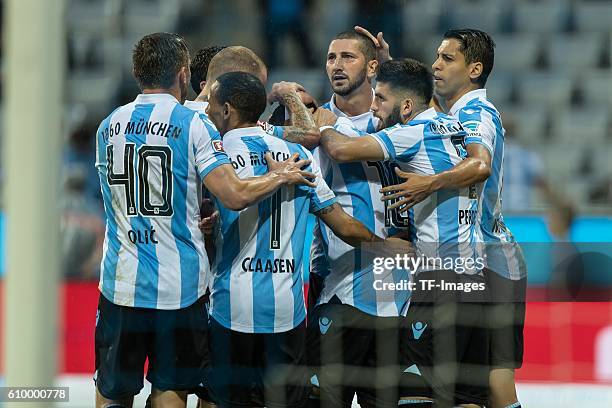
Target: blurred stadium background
(552, 81)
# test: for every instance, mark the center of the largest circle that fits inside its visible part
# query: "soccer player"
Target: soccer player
(199, 67)
(465, 60)
(339, 273)
(442, 227)
(258, 343)
(152, 156)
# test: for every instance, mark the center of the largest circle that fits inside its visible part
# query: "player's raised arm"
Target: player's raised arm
(237, 194)
(476, 168)
(303, 129)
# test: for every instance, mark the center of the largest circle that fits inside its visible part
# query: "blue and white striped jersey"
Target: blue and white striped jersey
(483, 123)
(443, 225)
(365, 123)
(257, 277)
(197, 106)
(348, 275)
(152, 156)
(347, 271)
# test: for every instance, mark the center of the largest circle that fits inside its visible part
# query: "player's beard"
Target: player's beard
(393, 119)
(351, 85)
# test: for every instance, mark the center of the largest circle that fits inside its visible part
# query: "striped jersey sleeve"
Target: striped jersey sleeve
(479, 126)
(208, 146)
(399, 143)
(321, 195)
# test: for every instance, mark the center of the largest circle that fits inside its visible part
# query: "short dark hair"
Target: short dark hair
(476, 46)
(365, 43)
(233, 59)
(244, 92)
(407, 75)
(200, 63)
(157, 58)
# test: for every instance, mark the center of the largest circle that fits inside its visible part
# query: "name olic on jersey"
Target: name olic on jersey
(143, 237)
(142, 127)
(268, 265)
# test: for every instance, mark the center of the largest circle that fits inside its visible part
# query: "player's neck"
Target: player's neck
(241, 125)
(448, 103)
(202, 97)
(357, 102)
(171, 91)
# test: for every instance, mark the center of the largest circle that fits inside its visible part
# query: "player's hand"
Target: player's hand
(208, 217)
(307, 99)
(382, 48)
(412, 191)
(391, 247)
(324, 117)
(207, 224)
(291, 170)
(281, 89)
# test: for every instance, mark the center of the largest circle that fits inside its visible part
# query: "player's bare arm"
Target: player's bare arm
(475, 168)
(354, 233)
(303, 129)
(344, 149)
(346, 227)
(237, 194)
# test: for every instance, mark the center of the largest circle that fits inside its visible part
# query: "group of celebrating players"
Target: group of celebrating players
(210, 291)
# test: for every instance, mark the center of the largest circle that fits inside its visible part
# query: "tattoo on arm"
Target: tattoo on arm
(301, 120)
(327, 209)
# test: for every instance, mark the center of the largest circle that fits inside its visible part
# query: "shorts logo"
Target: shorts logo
(324, 324)
(417, 330)
(217, 145)
(97, 317)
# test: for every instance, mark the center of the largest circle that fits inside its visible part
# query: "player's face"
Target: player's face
(386, 106)
(451, 73)
(346, 66)
(215, 111)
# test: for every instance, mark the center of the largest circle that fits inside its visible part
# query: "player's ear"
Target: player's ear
(406, 108)
(227, 108)
(371, 68)
(202, 85)
(475, 69)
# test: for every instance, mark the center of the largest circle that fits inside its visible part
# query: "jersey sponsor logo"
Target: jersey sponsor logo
(417, 329)
(218, 145)
(268, 265)
(324, 324)
(467, 217)
(472, 127)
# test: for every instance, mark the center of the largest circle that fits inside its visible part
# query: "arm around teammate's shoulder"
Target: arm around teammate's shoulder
(237, 194)
(343, 148)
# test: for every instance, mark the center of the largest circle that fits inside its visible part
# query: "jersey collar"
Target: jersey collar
(197, 106)
(155, 98)
(460, 104)
(338, 112)
(247, 131)
(426, 115)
